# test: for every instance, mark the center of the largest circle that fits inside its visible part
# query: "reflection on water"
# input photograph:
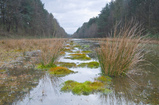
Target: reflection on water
(140, 87)
(15, 83)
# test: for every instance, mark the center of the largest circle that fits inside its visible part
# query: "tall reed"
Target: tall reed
(123, 51)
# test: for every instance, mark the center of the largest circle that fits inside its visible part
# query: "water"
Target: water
(140, 87)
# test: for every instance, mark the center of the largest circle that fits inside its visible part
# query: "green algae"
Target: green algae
(89, 65)
(78, 57)
(60, 71)
(85, 88)
(45, 67)
(66, 64)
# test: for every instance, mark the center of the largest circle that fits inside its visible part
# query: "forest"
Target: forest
(144, 12)
(27, 18)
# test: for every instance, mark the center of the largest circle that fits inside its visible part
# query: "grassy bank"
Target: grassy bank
(48, 49)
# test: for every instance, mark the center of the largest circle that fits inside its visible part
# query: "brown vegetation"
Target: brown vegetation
(48, 49)
(122, 52)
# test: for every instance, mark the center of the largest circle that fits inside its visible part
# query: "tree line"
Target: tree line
(28, 18)
(143, 11)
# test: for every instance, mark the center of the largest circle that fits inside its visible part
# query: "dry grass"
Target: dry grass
(122, 52)
(11, 49)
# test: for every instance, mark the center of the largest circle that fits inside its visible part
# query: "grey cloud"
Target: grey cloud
(71, 14)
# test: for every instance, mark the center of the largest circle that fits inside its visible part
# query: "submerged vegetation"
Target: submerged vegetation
(117, 56)
(78, 57)
(89, 65)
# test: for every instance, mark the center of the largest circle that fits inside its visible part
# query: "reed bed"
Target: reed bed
(122, 52)
(49, 49)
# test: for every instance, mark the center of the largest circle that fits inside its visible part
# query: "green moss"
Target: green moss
(60, 71)
(93, 64)
(78, 57)
(86, 52)
(82, 65)
(104, 79)
(65, 64)
(85, 88)
(48, 66)
(89, 65)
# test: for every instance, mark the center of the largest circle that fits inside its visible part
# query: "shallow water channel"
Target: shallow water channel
(141, 87)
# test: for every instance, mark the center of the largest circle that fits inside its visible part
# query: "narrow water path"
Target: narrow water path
(48, 91)
(124, 91)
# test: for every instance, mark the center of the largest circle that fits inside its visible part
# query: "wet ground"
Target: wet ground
(140, 87)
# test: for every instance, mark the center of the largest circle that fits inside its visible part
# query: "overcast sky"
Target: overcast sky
(71, 14)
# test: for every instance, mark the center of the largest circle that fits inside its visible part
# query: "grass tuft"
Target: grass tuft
(120, 54)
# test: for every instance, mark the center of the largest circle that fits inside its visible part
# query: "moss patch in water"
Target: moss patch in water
(60, 71)
(45, 67)
(66, 64)
(85, 88)
(86, 52)
(78, 57)
(89, 65)
(67, 50)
